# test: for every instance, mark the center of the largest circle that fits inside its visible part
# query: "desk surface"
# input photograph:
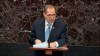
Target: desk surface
(53, 49)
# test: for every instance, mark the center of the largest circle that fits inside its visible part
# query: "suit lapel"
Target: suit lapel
(42, 31)
(54, 29)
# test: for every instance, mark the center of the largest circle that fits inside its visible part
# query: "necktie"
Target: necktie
(47, 32)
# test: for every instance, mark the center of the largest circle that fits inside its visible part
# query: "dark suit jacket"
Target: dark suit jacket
(58, 32)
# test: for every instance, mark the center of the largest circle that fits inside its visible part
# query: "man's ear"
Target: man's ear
(43, 14)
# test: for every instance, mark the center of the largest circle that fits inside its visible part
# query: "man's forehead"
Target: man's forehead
(50, 10)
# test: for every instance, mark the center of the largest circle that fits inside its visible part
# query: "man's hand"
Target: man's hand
(52, 44)
(37, 41)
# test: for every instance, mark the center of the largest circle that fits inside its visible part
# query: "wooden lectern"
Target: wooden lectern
(48, 51)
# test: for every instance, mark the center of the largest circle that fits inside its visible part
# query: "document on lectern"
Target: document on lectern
(42, 45)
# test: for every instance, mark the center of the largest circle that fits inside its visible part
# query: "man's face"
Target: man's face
(50, 15)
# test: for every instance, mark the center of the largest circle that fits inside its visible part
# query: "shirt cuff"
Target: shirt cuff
(57, 44)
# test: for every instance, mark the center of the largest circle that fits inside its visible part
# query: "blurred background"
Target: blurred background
(81, 16)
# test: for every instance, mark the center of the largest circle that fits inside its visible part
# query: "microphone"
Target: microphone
(52, 27)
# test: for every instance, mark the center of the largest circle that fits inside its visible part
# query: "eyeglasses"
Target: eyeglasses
(51, 15)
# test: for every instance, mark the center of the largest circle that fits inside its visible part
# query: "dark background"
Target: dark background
(81, 16)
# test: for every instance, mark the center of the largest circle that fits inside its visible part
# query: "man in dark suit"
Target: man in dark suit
(56, 36)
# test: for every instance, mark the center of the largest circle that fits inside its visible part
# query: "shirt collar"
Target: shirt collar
(46, 23)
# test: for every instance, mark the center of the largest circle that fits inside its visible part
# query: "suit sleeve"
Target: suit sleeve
(32, 36)
(63, 37)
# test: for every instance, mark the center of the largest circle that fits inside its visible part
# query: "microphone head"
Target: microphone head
(53, 28)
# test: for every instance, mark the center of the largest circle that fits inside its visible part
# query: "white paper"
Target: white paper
(42, 45)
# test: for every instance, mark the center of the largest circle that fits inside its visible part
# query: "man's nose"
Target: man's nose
(51, 17)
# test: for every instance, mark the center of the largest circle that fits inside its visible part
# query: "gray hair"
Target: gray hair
(48, 6)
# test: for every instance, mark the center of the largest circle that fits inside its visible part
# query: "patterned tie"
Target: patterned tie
(47, 32)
